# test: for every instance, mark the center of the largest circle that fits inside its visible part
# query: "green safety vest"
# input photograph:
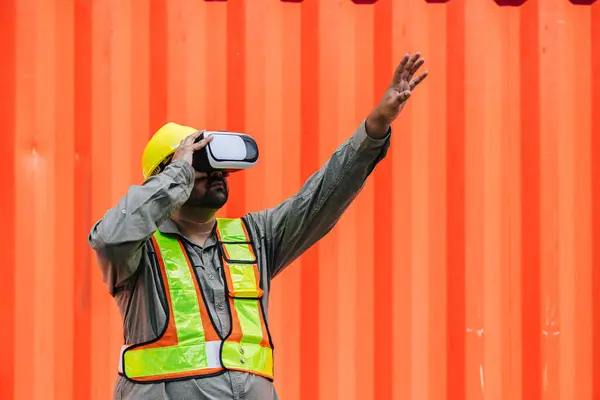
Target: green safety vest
(189, 346)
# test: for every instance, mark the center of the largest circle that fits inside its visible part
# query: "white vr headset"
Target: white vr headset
(228, 151)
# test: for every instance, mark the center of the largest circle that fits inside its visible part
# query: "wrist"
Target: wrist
(377, 125)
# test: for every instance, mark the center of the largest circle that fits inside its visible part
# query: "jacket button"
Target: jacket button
(241, 350)
(242, 361)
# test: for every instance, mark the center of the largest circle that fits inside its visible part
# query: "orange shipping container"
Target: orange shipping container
(467, 267)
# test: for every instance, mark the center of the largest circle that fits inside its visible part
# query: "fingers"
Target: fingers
(408, 69)
(400, 69)
(415, 68)
(413, 84)
(400, 97)
(202, 143)
(191, 138)
(404, 96)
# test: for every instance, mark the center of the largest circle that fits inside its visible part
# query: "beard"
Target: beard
(213, 198)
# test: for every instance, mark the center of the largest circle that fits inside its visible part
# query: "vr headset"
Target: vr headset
(228, 151)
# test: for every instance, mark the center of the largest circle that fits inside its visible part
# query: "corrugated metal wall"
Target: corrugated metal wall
(466, 269)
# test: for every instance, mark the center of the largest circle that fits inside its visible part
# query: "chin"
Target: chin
(211, 202)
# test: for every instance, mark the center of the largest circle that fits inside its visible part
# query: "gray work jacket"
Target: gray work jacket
(282, 233)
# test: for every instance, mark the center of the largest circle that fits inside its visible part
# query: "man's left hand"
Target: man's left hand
(396, 96)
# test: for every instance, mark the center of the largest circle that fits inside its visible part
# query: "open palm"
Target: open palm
(403, 83)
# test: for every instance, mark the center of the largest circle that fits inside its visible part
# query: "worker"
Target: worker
(193, 289)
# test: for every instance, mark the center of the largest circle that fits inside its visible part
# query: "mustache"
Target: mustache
(216, 178)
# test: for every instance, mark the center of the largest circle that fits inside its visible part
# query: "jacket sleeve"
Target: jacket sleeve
(300, 221)
(118, 238)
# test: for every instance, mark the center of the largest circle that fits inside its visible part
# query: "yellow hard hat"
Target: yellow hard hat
(161, 147)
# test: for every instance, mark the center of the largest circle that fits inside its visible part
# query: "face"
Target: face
(210, 190)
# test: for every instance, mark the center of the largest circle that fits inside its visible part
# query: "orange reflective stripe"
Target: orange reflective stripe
(177, 352)
(169, 337)
(189, 346)
(248, 347)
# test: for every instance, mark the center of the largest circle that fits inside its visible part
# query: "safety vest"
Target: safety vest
(189, 346)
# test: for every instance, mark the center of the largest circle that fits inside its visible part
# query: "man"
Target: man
(192, 289)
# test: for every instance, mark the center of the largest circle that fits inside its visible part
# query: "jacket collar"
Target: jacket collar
(169, 227)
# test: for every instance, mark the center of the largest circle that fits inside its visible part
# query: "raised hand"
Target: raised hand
(188, 146)
(396, 96)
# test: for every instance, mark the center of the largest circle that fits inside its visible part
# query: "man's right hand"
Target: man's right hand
(186, 149)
